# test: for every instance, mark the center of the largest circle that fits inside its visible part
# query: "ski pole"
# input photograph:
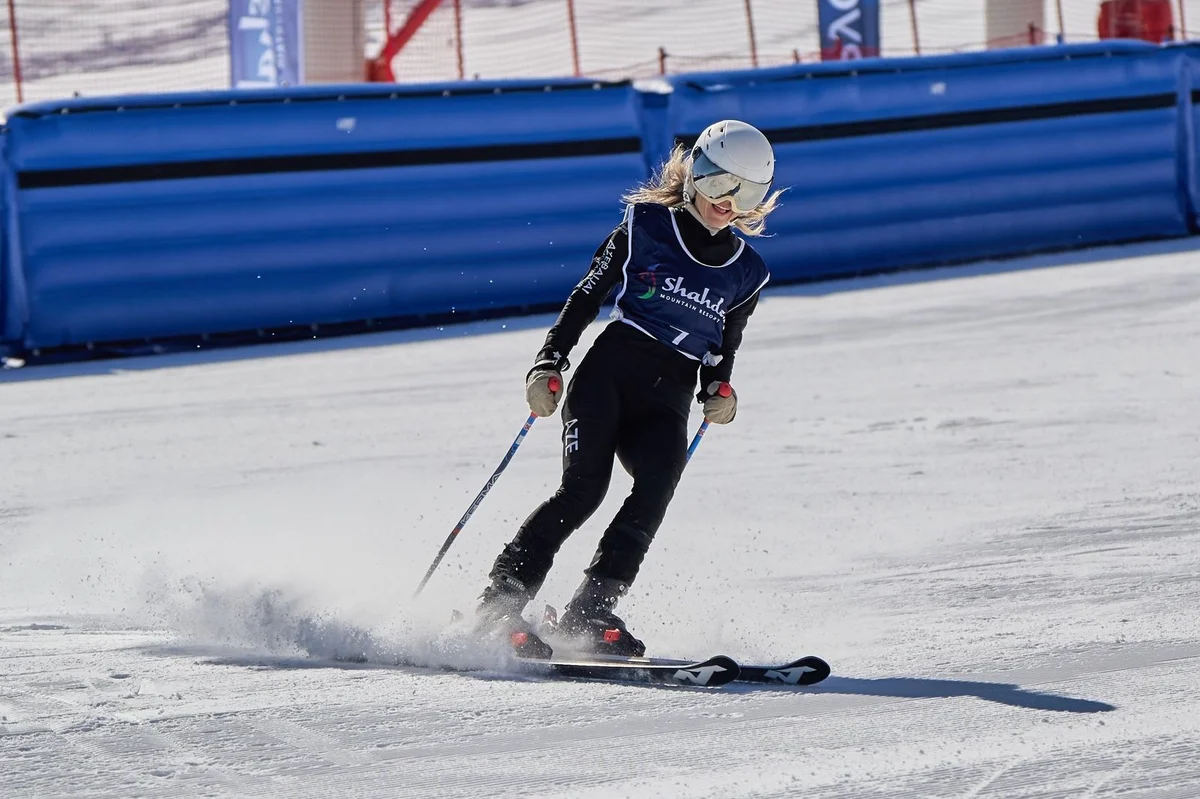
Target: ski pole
(554, 385)
(696, 440)
(724, 390)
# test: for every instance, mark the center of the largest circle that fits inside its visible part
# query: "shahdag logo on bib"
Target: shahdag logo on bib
(702, 301)
(651, 280)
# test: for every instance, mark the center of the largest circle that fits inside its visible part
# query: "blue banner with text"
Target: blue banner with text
(849, 29)
(265, 43)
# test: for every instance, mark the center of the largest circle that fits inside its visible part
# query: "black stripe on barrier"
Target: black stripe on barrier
(130, 173)
(959, 119)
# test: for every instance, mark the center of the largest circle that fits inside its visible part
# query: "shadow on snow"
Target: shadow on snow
(885, 687)
(922, 688)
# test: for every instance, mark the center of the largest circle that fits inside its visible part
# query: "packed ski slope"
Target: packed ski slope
(974, 491)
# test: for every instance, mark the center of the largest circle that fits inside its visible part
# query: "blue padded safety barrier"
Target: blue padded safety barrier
(937, 160)
(1189, 129)
(153, 217)
(217, 214)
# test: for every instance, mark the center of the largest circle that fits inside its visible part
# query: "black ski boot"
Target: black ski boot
(590, 621)
(498, 617)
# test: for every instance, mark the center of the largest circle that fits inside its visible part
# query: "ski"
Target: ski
(711, 673)
(808, 670)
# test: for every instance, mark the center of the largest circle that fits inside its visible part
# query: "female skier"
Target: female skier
(686, 286)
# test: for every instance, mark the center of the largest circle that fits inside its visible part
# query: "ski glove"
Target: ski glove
(543, 388)
(720, 404)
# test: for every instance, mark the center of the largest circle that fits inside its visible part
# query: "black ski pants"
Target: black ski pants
(629, 399)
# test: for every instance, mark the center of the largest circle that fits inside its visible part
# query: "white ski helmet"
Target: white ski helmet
(733, 161)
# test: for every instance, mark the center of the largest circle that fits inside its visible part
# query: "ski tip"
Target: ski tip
(808, 670)
(711, 673)
(819, 670)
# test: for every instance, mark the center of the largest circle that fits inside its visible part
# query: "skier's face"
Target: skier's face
(715, 215)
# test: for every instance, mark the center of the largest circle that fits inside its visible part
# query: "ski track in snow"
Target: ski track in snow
(974, 491)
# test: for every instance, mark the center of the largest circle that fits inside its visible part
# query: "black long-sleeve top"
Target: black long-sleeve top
(605, 274)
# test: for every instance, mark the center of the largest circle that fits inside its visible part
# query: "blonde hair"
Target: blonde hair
(667, 185)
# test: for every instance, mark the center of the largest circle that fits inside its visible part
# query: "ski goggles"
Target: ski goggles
(717, 185)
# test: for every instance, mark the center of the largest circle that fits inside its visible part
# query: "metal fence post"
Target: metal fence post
(753, 39)
(912, 12)
(574, 37)
(458, 38)
(16, 50)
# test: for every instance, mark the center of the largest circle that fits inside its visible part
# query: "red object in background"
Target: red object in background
(1150, 20)
(834, 53)
(379, 70)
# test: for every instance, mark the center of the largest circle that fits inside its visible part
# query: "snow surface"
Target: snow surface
(974, 491)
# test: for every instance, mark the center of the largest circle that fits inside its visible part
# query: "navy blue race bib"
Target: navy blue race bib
(671, 296)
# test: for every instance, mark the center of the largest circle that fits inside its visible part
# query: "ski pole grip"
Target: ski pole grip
(725, 390)
(554, 384)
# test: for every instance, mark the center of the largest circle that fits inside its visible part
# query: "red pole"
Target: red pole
(753, 40)
(574, 37)
(12, 24)
(912, 11)
(381, 68)
(458, 42)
